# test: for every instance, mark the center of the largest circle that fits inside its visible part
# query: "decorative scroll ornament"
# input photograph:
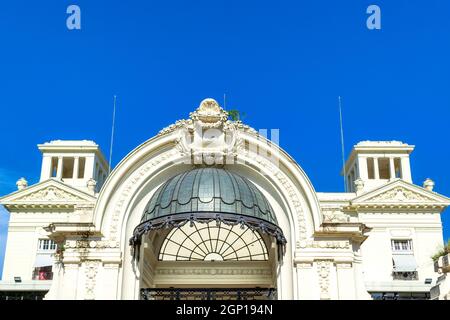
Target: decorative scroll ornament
(208, 137)
(209, 114)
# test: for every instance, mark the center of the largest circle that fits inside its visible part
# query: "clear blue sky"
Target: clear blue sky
(281, 62)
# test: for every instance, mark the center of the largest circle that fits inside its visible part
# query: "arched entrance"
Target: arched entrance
(208, 233)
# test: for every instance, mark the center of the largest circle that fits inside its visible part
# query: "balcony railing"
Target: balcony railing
(445, 264)
(42, 275)
(208, 294)
(410, 275)
(442, 265)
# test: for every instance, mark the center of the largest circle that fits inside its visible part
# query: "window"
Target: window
(402, 245)
(383, 165)
(96, 171)
(54, 167)
(352, 180)
(370, 168)
(398, 168)
(81, 166)
(68, 168)
(213, 242)
(46, 245)
(43, 273)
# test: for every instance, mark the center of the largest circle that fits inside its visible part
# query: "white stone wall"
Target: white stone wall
(24, 231)
(425, 231)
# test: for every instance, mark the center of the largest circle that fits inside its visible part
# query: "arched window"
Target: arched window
(212, 242)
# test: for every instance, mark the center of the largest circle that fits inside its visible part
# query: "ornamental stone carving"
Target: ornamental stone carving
(304, 265)
(399, 194)
(91, 270)
(169, 156)
(274, 171)
(209, 114)
(334, 215)
(323, 270)
(83, 244)
(50, 193)
(21, 184)
(84, 209)
(214, 271)
(179, 124)
(323, 244)
(208, 137)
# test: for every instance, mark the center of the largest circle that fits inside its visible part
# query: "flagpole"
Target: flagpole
(112, 135)
(342, 143)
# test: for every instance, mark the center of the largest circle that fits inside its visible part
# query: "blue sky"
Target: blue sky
(281, 62)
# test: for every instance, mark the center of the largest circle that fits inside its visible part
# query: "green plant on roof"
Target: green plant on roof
(441, 252)
(235, 115)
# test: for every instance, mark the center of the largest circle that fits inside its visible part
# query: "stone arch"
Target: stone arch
(153, 162)
(161, 152)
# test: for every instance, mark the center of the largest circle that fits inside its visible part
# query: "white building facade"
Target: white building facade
(209, 208)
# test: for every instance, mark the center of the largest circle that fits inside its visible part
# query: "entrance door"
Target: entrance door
(208, 261)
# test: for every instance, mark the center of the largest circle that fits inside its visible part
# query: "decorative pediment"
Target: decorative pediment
(49, 193)
(401, 193)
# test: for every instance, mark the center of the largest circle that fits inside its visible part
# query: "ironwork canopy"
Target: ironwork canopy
(205, 195)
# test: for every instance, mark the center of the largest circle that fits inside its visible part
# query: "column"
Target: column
(89, 167)
(345, 280)
(376, 169)
(60, 168)
(46, 167)
(70, 280)
(76, 165)
(362, 168)
(406, 169)
(307, 281)
(108, 280)
(392, 167)
(360, 286)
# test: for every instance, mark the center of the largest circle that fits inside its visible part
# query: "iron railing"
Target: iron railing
(208, 294)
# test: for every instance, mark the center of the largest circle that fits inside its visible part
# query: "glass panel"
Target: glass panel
(67, 168)
(383, 167)
(46, 245)
(370, 168)
(81, 167)
(210, 241)
(402, 245)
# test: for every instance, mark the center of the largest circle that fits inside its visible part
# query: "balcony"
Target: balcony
(442, 265)
(405, 275)
(42, 273)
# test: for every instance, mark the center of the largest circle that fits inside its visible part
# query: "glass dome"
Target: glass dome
(208, 194)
